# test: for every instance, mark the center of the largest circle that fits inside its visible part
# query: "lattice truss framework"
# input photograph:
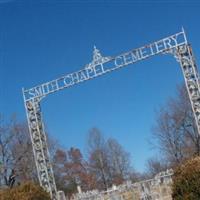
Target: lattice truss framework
(40, 148)
(176, 44)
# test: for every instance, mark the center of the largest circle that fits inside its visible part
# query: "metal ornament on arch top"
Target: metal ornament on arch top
(176, 45)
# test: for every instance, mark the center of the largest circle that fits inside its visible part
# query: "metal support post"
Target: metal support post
(40, 149)
(191, 77)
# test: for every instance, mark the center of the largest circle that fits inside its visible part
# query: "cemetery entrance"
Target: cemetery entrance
(176, 44)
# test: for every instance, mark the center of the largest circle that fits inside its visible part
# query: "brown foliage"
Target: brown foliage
(27, 191)
(186, 181)
(70, 170)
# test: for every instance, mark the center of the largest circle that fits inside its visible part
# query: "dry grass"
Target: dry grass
(186, 183)
(28, 191)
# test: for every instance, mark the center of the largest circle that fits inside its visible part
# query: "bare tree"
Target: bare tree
(23, 159)
(119, 161)
(155, 165)
(108, 160)
(175, 130)
(98, 159)
(15, 151)
(5, 152)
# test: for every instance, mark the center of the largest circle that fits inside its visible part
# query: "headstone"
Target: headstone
(61, 195)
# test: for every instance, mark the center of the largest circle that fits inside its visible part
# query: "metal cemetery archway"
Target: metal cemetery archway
(176, 45)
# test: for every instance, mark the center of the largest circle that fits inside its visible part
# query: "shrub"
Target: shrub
(27, 191)
(186, 181)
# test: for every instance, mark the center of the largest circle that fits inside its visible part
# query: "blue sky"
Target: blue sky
(43, 40)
